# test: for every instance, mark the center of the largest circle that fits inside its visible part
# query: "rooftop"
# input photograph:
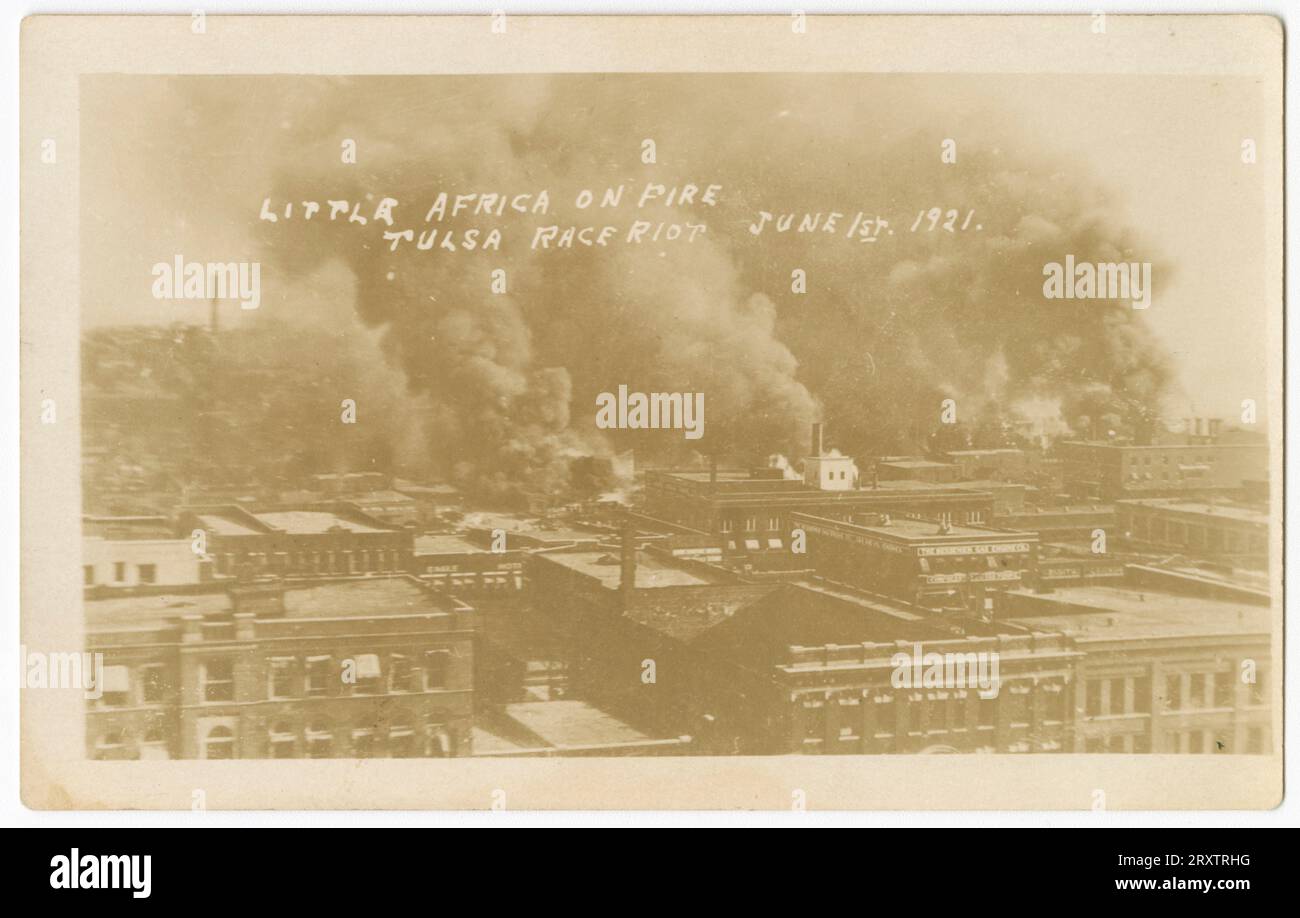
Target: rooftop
(559, 725)
(1130, 614)
(448, 543)
(1204, 508)
(367, 596)
(301, 522)
(651, 570)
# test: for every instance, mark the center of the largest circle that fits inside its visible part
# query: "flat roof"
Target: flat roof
(534, 527)
(338, 599)
(1205, 508)
(915, 464)
(450, 543)
(906, 529)
(652, 571)
(1126, 614)
(313, 521)
(569, 723)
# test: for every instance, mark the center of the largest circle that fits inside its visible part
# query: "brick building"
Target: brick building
(1162, 673)
(376, 666)
(309, 542)
(939, 566)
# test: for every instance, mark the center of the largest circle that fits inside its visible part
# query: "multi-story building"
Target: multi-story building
(141, 562)
(940, 566)
(466, 566)
(1102, 470)
(308, 542)
(749, 512)
(808, 666)
(1161, 673)
(1222, 532)
(374, 666)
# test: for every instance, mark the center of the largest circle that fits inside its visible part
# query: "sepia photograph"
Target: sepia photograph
(634, 430)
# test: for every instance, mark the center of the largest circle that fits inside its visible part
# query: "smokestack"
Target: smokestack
(627, 563)
(816, 439)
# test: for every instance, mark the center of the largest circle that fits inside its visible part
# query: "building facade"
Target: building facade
(358, 668)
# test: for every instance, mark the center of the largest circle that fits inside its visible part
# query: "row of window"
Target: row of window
(751, 524)
(324, 562)
(1182, 692)
(144, 573)
(938, 712)
(1186, 742)
(319, 740)
(288, 677)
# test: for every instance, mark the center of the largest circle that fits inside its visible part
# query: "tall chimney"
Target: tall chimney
(816, 439)
(627, 563)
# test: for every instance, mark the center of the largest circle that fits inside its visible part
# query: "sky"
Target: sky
(180, 165)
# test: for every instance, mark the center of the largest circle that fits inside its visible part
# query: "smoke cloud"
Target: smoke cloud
(505, 383)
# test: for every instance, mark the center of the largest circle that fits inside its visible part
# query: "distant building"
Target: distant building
(313, 542)
(998, 464)
(806, 667)
(915, 469)
(120, 563)
(1113, 471)
(749, 512)
(455, 563)
(1224, 532)
(1162, 673)
(350, 668)
(941, 566)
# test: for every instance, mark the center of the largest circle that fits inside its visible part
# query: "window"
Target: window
(725, 525)
(1093, 704)
(1259, 688)
(401, 740)
(1017, 703)
(116, 687)
(320, 672)
(1174, 692)
(219, 744)
(154, 744)
(88, 574)
(363, 743)
(402, 675)
(1196, 693)
(119, 571)
(110, 745)
(773, 523)
(1117, 705)
(281, 678)
(814, 721)
(218, 680)
(284, 740)
(320, 741)
(437, 665)
(751, 523)
(1142, 697)
(1054, 703)
(148, 573)
(153, 689)
(1225, 689)
(368, 674)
